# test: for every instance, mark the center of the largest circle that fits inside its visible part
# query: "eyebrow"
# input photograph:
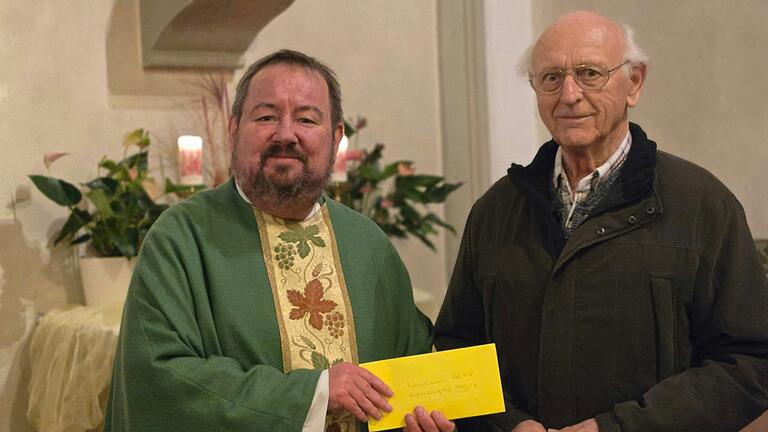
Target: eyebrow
(272, 106)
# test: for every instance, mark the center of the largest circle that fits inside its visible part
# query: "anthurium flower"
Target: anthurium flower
(50, 158)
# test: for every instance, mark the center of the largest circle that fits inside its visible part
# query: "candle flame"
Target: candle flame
(190, 142)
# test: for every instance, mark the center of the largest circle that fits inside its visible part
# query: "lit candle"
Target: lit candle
(190, 160)
(340, 167)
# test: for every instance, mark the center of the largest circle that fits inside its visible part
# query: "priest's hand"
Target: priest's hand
(422, 421)
(358, 391)
(529, 426)
(585, 426)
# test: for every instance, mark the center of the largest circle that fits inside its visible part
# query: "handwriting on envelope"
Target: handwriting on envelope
(460, 383)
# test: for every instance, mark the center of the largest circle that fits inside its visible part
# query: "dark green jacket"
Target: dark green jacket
(653, 316)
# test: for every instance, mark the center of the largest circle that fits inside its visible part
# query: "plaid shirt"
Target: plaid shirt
(570, 200)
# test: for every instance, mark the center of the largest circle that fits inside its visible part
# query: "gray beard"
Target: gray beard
(259, 189)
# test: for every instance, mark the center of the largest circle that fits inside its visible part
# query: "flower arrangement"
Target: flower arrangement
(215, 111)
(393, 196)
(121, 202)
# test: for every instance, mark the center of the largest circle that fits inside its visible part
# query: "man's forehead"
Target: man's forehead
(579, 38)
(292, 79)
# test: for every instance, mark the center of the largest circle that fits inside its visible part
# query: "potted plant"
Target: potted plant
(393, 196)
(110, 215)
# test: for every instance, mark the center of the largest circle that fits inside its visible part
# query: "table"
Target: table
(71, 355)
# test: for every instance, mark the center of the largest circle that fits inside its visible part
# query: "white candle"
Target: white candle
(190, 160)
(340, 167)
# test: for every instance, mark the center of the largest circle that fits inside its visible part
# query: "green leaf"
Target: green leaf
(101, 202)
(58, 191)
(302, 236)
(303, 249)
(319, 361)
(337, 361)
(348, 129)
(107, 184)
(109, 165)
(82, 239)
(408, 182)
(137, 137)
(127, 242)
(139, 161)
(77, 218)
(440, 193)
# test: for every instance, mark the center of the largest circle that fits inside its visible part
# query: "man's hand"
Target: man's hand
(585, 426)
(529, 426)
(358, 391)
(422, 421)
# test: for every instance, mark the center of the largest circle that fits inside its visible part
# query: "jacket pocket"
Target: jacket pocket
(664, 313)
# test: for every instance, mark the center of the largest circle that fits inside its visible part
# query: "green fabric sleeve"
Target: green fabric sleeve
(169, 372)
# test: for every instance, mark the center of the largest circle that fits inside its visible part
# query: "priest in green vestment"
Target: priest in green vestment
(252, 304)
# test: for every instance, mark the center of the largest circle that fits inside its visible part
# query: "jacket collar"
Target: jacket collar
(636, 176)
(635, 181)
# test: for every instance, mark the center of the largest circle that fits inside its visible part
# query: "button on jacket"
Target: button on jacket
(652, 316)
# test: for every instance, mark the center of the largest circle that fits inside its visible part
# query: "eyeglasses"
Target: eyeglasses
(588, 77)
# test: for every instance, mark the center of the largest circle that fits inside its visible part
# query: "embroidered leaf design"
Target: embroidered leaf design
(308, 342)
(319, 361)
(302, 236)
(337, 361)
(311, 302)
(316, 271)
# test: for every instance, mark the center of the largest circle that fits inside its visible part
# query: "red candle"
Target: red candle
(190, 160)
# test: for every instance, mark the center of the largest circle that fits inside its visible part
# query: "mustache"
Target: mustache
(283, 151)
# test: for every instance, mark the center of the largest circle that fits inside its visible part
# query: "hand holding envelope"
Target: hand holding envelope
(358, 391)
(458, 383)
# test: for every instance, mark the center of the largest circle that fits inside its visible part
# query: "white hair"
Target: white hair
(633, 54)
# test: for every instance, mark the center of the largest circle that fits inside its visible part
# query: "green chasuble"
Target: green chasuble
(200, 346)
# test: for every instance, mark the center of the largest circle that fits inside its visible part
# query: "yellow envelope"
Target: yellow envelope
(459, 383)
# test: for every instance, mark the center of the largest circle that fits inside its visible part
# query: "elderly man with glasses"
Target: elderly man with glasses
(619, 283)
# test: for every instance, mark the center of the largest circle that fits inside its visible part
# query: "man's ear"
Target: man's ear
(338, 133)
(636, 81)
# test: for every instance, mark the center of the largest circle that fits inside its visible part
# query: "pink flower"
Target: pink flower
(355, 155)
(50, 158)
(366, 188)
(405, 169)
(385, 203)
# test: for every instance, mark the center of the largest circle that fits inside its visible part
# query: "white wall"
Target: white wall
(54, 96)
(511, 102)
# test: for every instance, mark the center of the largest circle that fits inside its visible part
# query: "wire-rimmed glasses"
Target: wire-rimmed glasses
(588, 77)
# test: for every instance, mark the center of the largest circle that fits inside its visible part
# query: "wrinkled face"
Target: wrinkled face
(284, 144)
(575, 118)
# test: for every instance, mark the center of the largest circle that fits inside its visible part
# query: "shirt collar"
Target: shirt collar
(560, 177)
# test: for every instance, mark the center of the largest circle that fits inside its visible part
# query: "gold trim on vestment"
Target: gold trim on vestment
(342, 285)
(312, 304)
(267, 253)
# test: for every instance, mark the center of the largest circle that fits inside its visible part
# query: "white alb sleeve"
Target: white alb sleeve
(315, 421)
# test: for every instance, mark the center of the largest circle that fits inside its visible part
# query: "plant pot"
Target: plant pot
(105, 280)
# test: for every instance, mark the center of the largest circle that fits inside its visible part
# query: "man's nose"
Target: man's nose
(285, 132)
(570, 93)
